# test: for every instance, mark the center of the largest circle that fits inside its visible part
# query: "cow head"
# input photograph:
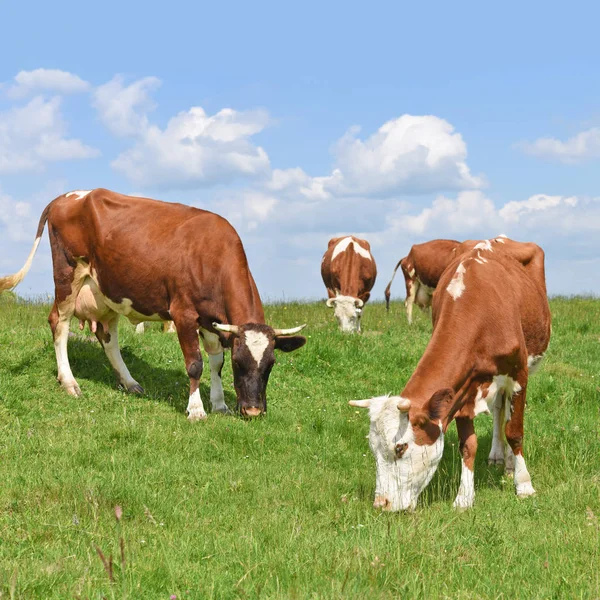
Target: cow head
(347, 311)
(407, 445)
(252, 358)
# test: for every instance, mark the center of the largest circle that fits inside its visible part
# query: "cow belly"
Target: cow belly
(423, 296)
(90, 304)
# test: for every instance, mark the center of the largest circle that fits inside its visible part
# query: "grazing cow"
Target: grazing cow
(349, 271)
(155, 261)
(491, 327)
(422, 269)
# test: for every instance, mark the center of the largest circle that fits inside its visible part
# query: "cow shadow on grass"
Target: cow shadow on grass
(161, 383)
(445, 483)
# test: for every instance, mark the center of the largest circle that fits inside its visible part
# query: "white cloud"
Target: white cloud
(514, 210)
(579, 148)
(196, 149)
(123, 109)
(39, 80)
(410, 154)
(35, 134)
(15, 219)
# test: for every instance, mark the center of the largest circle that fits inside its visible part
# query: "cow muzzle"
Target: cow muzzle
(251, 412)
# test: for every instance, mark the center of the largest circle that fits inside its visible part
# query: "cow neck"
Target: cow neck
(243, 304)
(444, 365)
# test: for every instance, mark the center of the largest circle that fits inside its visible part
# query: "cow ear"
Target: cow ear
(288, 343)
(440, 405)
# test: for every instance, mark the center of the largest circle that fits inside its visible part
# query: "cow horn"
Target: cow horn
(227, 328)
(360, 403)
(359, 303)
(330, 302)
(291, 331)
(403, 405)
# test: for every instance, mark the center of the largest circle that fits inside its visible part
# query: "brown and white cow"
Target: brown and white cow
(349, 272)
(491, 327)
(148, 260)
(422, 269)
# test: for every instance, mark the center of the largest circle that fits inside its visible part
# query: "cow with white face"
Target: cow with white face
(115, 255)
(349, 272)
(491, 326)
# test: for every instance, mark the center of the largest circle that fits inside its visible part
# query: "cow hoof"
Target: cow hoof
(462, 503)
(197, 415)
(135, 388)
(495, 461)
(222, 410)
(72, 389)
(524, 490)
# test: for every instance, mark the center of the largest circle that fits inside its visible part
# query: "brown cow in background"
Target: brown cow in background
(349, 272)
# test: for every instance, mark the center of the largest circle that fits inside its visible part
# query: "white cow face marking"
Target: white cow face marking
(404, 468)
(347, 311)
(257, 343)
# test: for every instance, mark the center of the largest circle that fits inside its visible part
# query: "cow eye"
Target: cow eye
(400, 450)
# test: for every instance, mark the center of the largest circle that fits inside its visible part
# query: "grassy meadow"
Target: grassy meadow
(281, 507)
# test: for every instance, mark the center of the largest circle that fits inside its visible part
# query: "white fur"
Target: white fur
(79, 193)
(484, 245)
(113, 353)
(399, 481)
(534, 362)
(343, 244)
(466, 491)
(139, 328)
(217, 396)
(257, 343)
(456, 287)
(523, 485)
(347, 313)
(195, 408)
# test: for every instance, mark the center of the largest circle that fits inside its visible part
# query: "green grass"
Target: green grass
(281, 507)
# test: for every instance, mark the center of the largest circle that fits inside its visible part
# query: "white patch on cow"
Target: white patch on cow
(113, 353)
(399, 480)
(139, 328)
(523, 485)
(195, 408)
(257, 343)
(481, 404)
(484, 245)
(125, 309)
(456, 287)
(534, 362)
(466, 491)
(412, 272)
(500, 239)
(79, 193)
(342, 245)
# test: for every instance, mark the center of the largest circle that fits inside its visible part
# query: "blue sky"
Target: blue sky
(398, 122)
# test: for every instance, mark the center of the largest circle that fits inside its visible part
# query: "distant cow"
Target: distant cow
(422, 269)
(491, 328)
(155, 261)
(168, 327)
(349, 271)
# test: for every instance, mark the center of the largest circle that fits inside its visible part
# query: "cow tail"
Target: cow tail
(11, 281)
(388, 292)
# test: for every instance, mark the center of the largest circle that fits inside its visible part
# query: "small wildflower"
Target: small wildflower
(118, 512)
(173, 597)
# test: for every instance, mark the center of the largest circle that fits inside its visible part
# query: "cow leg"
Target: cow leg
(468, 448)
(140, 328)
(213, 348)
(410, 299)
(186, 326)
(496, 456)
(59, 321)
(514, 436)
(107, 333)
